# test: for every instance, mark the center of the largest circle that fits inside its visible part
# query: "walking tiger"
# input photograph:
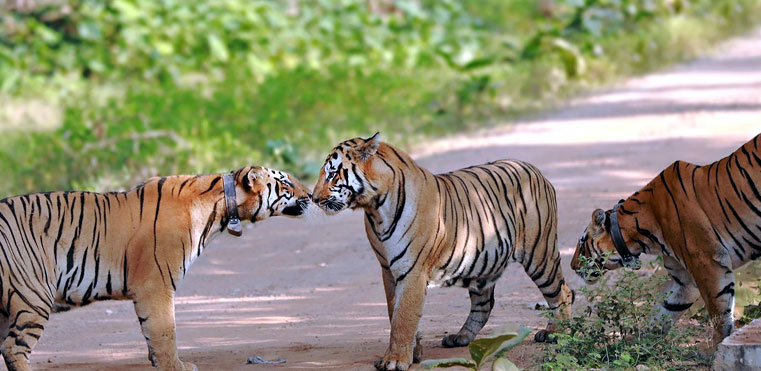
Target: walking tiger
(705, 221)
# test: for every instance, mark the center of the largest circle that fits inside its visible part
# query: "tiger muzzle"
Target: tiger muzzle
(297, 209)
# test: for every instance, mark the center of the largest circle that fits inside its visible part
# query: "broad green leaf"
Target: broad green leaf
(127, 9)
(481, 349)
(218, 48)
(47, 34)
(522, 333)
(503, 364)
(163, 47)
(96, 65)
(447, 56)
(448, 362)
(90, 30)
(478, 63)
(572, 59)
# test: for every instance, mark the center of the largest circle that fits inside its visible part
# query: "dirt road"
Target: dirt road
(309, 291)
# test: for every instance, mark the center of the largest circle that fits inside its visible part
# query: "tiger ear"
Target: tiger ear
(369, 147)
(598, 216)
(254, 173)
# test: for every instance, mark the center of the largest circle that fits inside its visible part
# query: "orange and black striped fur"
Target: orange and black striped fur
(454, 229)
(705, 221)
(63, 249)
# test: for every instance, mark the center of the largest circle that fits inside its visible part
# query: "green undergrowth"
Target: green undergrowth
(199, 86)
(617, 329)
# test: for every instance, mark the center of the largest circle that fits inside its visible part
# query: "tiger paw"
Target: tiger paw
(152, 358)
(455, 340)
(179, 366)
(417, 353)
(388, 363)
(187, 366)
(544, 336)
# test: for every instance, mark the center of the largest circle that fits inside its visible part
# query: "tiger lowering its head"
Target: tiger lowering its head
(62, 249)
(454, 229)
(705, 221)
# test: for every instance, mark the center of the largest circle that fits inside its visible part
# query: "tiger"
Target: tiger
(453, 229)
(68, 249)
(704, 221)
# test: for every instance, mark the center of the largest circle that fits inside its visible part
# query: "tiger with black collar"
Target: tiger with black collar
(705, 221)
(62, 249)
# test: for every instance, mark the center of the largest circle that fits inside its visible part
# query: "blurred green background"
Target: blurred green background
(98, 94)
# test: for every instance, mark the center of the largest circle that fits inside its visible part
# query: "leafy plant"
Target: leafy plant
(615, 331)
(748, 293)
(132, 89)
(484, 350)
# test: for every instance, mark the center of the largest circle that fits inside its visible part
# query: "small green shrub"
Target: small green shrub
(615, 332)
(748, 293)
(133, 89)
(484, 350)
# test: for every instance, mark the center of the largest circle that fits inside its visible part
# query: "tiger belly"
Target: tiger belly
(80, 286)
(473, 264)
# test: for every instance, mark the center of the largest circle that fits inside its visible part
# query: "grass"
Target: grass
(615, 330)
(116, 132)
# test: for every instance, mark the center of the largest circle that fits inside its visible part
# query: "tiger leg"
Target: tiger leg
(557, 294)
(3, 327)
(681, 292)
(408, 308)
(151, 353)
(389, 285)
(716, 283)
(24, 327)
(155, 311)
(481, 303)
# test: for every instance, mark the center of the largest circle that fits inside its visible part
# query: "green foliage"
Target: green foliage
(170, 86)
(179, 39)
(615, 331)
(504, 364)
(748, 293)
(484, 350)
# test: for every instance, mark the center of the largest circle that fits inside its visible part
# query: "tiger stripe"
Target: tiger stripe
(706, 223)
(455, 229)
(64, 249)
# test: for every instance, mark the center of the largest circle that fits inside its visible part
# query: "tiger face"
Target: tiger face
(343, 179)
(596, 243)
(270, 192)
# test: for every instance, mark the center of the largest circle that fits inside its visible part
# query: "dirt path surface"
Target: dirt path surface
(310, 292)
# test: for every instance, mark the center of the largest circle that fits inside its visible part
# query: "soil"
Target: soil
(309, 291)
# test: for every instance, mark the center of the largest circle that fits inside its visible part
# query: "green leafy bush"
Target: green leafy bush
(181, 86)
(748, 293)
(484, 350)
(615, 332)
(181, 40)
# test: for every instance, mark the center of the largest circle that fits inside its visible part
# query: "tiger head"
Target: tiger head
(343, 179)
(263, 193)
(596, 245)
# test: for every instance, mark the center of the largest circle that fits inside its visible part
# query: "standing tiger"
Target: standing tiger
(454, 229)
(63, 249)
(705, 221)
